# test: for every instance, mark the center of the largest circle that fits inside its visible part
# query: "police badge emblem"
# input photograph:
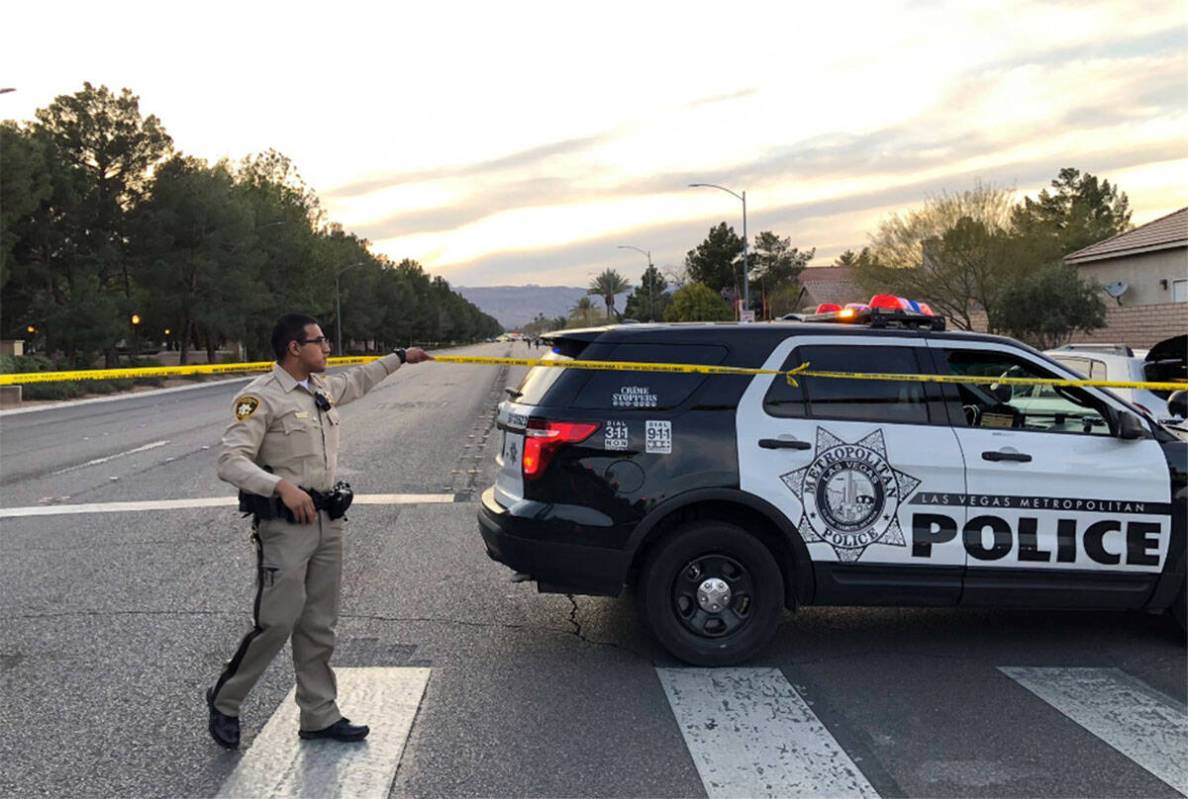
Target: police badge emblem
(245, 406)
(850, 495)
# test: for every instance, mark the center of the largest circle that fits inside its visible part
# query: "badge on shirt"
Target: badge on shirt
(245, 406)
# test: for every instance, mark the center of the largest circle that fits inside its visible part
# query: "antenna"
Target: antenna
(1117, 289)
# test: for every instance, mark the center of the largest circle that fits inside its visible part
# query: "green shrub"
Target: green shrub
(53, 391)
(23, 364)
(68, 389)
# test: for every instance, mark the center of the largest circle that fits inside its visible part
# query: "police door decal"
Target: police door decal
(850, 495)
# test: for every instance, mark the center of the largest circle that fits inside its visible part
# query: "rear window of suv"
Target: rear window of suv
(539, 380)
(860, 400)
(626, 390)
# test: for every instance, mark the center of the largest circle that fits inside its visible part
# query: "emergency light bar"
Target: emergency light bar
(883, 310)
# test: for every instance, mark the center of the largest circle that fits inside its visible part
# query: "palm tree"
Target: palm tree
(607, 285)
(582, 310)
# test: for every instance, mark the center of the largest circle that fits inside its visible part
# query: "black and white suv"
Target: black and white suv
(729, 498)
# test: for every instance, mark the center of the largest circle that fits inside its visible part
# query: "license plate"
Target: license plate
(511, 448)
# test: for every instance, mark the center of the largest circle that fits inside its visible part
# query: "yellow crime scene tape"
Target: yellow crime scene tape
(790, 375)
(803, 370)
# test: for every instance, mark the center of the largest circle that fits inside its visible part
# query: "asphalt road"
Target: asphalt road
(113, 624)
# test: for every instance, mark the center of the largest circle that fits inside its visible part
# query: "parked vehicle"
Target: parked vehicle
(728, 498)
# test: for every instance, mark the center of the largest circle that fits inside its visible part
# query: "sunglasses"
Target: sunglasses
(321, 341)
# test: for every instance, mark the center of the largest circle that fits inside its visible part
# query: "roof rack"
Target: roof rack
(1115, 349)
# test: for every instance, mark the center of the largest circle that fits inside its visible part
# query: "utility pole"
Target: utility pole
(651, 285)
(746, 246)
(338, 308)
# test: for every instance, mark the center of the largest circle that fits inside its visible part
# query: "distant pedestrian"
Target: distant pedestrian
(281, 451)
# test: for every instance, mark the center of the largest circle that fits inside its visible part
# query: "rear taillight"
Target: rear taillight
(543, 438)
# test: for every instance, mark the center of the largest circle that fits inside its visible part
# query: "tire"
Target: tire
(707, 628)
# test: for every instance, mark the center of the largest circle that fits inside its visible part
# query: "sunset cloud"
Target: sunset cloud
(504, 145)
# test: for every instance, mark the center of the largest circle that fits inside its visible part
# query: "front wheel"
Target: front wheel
(712, 593)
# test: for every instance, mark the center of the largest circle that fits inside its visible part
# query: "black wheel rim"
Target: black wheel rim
(733, 616)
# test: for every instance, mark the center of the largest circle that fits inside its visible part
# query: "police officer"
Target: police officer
(281, 451)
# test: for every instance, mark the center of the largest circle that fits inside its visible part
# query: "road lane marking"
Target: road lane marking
(97, 461)
(209, 502)
(279, 764)
(751, 734)
(1147, 727)
(404, 499)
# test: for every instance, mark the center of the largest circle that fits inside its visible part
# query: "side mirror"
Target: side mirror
(1129, 426)
(1177, 404)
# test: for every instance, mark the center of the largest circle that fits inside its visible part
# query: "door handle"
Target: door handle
(783, 443)
(999, 455)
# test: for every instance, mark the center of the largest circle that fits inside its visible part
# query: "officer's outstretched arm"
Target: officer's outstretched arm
(354, 383)
(241, 444)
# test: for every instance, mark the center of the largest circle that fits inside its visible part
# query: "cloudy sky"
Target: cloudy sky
(508, 143)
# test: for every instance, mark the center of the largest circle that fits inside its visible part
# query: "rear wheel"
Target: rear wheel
(712, 593)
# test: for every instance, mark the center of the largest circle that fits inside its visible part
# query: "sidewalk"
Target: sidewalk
(32, 406)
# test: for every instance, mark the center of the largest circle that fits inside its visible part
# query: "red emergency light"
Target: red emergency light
(889, 301)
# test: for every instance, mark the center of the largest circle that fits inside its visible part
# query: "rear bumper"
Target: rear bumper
(528, 544)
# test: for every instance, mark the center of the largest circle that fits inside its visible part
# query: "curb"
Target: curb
(124, 396)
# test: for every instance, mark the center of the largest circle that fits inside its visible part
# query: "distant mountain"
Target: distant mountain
(515, 306)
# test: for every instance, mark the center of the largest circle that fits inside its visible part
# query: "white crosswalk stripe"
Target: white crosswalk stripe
(279, 764)
(751, 734)
(141, 506)
(748, 731)
(1150, 729)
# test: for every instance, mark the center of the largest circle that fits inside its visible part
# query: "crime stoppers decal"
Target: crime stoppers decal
(850, 495)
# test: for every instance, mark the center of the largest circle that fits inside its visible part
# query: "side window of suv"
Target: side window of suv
(859, 400)
(1089, 367)
(1041, 408)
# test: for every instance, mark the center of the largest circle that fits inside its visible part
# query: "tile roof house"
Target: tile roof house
(1145, 270)
(1151, 261)
(830, 284)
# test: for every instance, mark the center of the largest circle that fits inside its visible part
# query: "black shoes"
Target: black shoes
(223, 728)
(341, 730)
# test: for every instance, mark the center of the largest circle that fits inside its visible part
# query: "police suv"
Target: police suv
(728, 498)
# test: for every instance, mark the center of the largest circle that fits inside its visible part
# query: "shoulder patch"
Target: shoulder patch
(245, 406)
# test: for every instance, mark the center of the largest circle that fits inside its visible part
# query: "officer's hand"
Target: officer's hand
(416, 355)
(299, 503)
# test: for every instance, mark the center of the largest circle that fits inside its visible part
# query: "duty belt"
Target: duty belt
(335, 502)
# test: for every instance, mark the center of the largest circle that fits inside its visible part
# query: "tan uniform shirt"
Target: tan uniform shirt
(277, 424)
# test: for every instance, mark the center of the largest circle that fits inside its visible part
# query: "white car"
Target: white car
(1164, 361)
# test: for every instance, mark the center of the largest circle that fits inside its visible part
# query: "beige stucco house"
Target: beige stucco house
(1146, 270)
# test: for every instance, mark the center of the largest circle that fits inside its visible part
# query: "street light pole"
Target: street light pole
(651, 299)
(134, 319)
(746, 246)
(338, 307)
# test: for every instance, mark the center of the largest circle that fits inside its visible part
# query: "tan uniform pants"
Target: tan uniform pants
(299, 571)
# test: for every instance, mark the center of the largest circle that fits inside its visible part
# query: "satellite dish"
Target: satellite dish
(1117, 288)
